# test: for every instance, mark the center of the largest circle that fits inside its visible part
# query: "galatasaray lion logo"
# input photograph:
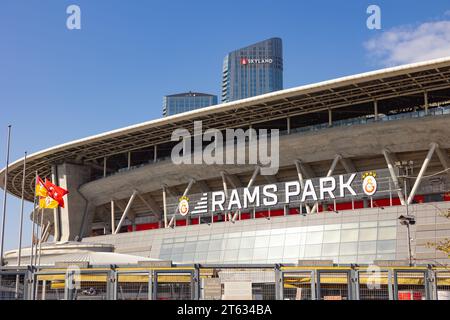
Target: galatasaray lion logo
(183, 206)
(369, 184)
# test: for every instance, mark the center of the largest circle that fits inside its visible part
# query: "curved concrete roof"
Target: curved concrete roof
(365, 87)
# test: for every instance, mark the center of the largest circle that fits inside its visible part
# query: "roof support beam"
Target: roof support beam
(252, 179)
(390, 158)
(224, 183)
(330, 172)
(298, 166)
(336, 159)
(127, 209)
(426, 162)
(348, 165)
(234, 180)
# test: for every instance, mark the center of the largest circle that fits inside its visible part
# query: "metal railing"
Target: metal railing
(222, 282)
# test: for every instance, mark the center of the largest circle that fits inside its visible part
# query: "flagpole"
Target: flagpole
(19, 254)
(5, 194)
(22, 200)
(34, 224)
(41, 228)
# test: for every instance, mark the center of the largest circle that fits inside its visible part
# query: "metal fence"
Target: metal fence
(224, 282)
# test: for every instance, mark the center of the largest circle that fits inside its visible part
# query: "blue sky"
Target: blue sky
(57, 85)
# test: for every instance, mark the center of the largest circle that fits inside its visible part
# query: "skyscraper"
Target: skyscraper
(253, 70)
(182, 102)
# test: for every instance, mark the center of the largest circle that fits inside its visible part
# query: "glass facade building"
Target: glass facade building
(182, 102)
(253, 70)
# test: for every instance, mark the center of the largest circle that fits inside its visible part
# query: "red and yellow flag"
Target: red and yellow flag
(55, 192)
(41, 190)
(47, 203)
(50, 195)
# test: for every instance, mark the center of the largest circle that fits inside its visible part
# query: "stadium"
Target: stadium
(391, 125)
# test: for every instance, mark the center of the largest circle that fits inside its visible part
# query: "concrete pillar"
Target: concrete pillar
(330, 117)
(104, 167)
(74, 216)
(425, 101)
(288, 124)
(375, 109)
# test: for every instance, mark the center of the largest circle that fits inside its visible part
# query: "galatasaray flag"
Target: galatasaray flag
(55, 192)
(41, 190)
(47, 203)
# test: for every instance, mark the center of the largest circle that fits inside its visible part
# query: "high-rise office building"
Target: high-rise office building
(182, 102)
(253, 70)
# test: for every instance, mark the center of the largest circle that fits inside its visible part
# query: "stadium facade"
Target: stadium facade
(253, 70)
(381, 139)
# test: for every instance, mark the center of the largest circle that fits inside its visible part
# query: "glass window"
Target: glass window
(177, 248)
(292, 239)
(260, 254)
(276, 240)
(231, 255)
(365, 259)
(347, 259)
(314, 237)
(188, 256)
(387, 233)
(262, 232)
(166, 248)
(313, 251)
(386, 246)
(330, 249)
(215, 245)
(217, 236)
(367, 224)
(248, 242)
(332, 227)
(214, 256)
(386, 256)
(202, 246)
(180, 239)
(349, 235)
(234, 235)
(387, 223)
(261, 241)
(367, 247)
(348, 248)
(201, 256)
(275, 253)
(203, 237)
(291, 252)
(233, 243)
(331, 236)
(368, 234)
(190, 246)
(245, 254)
(314, 228)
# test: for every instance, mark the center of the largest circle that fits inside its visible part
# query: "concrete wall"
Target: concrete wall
(76, 210)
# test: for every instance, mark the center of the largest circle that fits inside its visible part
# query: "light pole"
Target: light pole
(407, 220)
